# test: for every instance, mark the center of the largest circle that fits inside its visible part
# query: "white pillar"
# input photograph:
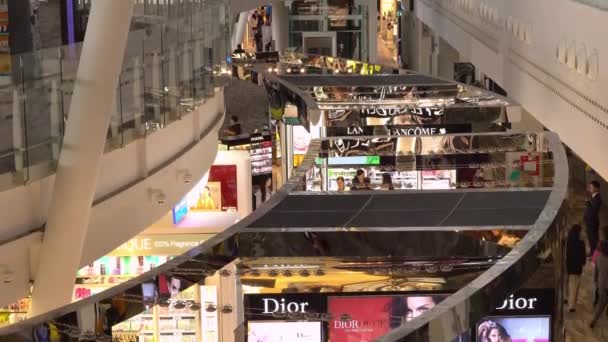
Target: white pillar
(280, 25)
(239, 30)
(372, 32)
(435, 54)
(230, 294)
(83, 145)
(56, 120)
(138, 110)
(172, 93)
(157, 86)
(18, 136)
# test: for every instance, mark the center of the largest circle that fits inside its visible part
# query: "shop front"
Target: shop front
(525, 316)
(260, 149)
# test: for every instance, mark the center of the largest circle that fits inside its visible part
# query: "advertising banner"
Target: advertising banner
(369, 318)
(5, 50)
(226, 176)
(169, 244)
(366, 318)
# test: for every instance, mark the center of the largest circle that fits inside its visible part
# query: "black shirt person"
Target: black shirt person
(234, 128)
(239, 50)
(592, 215)
(575, 260)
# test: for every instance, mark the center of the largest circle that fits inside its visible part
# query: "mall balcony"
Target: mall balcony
(161, 76)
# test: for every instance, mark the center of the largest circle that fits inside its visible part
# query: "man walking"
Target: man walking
(592, 215)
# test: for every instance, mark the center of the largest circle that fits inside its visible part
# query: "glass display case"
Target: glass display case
(171, 323)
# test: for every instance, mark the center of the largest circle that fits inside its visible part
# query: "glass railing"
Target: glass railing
(174, 60)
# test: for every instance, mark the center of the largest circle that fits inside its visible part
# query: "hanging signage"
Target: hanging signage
(161, 244)
(399, 130)
(381, 112)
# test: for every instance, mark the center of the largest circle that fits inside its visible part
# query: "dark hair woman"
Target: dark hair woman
(601, 271)
(575, 260)
(387, 182)
(358, 182)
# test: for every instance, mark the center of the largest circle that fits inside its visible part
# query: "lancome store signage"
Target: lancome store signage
(399, 130)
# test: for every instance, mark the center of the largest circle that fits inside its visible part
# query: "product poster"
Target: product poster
(226, 176)
(514, 329)
(284, 331)
(369, 318)
(374, 316)
(301, 139)
(210, 197)
(5, 51)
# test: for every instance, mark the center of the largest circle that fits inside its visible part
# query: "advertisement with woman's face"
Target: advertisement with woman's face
(373, 316)
(514, 329)
(418, 305)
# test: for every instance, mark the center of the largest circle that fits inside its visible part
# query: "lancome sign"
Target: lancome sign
(399, 130)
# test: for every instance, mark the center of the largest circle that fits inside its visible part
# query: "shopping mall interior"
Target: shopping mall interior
(303, 171)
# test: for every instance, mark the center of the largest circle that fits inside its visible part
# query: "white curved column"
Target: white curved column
(239, 30)
(280, 25)
(83, 146)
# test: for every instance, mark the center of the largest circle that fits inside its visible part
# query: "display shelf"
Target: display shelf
(158, 322)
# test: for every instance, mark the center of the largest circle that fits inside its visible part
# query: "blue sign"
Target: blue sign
(180, 211)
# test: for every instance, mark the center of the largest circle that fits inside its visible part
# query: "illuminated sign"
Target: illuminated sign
(398, 130)
(389, 112)
(161, 244)
(180, 211)
(272, 305)
(520, 303)
(358, 160)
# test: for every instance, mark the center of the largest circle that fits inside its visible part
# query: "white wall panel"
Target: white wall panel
(569, 102)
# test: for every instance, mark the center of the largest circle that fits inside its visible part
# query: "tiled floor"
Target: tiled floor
(577, 323)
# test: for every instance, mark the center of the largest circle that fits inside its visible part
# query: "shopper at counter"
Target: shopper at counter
(387, 182)
(358, 182)
(575, 260)
(341, 185)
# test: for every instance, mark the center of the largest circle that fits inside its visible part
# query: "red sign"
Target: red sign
(530, 163)
(359, 319)
(226, 175)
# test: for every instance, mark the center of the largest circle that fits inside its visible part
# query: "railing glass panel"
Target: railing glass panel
(174, 60)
